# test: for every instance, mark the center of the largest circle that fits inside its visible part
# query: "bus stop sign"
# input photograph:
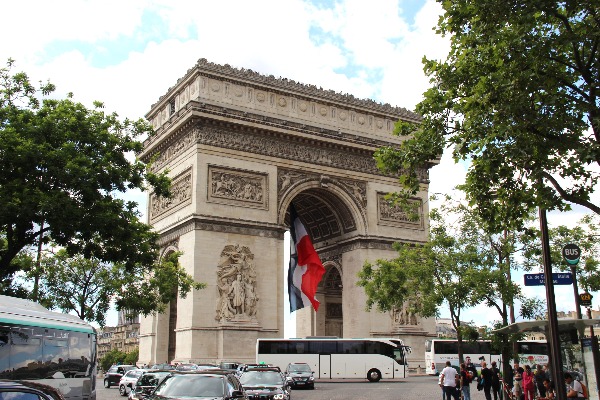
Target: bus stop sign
(571, 253)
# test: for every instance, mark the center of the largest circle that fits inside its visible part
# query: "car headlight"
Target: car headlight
(312, 378)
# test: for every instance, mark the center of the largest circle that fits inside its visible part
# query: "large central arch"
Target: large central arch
(240, 148)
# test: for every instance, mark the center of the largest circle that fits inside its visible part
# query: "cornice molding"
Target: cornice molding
(249, 77)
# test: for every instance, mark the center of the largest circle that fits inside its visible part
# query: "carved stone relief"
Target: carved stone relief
(237, 187)
(236, 283)
(181, 190)
(334, 310)
(389, 214)
(405, 315)
(356, 189)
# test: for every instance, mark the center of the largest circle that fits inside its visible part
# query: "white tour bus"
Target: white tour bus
(438, 351)
(47, 347)
(335, 358)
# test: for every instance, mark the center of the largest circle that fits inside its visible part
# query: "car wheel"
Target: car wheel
(312, 387)
(122, 390)
(374, 375)
(106, 383)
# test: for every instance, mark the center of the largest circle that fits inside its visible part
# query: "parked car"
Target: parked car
(186, 367)
(147, 382)
(215, 385)
(229, 365)
(206, 367)
(128, 380)
(246, 367)
(115, 373)
(163, 366)
(300, 375)
(265, 383)
(28, 390)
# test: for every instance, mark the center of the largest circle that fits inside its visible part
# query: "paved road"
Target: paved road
(411, 388)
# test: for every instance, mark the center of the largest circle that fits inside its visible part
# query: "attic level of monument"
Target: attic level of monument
(252, 78)
(229, 93)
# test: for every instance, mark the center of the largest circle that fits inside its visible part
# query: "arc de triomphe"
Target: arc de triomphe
(240, 147)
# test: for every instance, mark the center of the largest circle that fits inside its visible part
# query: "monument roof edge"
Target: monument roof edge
(281, 83)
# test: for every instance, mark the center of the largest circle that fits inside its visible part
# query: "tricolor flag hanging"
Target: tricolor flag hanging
(306, 270)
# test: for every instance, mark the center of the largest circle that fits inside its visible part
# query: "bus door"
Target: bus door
(324, 366)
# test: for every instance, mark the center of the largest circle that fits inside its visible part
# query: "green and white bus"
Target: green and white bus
(47, 347)
(335, 358)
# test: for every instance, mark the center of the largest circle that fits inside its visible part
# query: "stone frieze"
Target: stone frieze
(181, 190)
(237, 187)
(389, 214)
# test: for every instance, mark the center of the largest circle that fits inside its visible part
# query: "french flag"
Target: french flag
(306, 270)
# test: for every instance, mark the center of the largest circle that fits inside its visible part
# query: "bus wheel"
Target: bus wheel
(374, 375)
(106, 383)
(122, 390)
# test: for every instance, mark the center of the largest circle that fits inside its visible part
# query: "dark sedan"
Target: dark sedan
(146, 383)
(300, 375)
(265, 383)
(115, 373)
(214, 385)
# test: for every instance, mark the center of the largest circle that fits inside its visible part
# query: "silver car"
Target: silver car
(128, 381)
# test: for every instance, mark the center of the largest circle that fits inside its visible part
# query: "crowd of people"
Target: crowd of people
(522, 384)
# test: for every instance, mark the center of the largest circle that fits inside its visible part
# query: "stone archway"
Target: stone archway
(240, 147)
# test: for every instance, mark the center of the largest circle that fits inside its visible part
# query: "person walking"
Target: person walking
(496, 376)
(449, 381)
(528, 383)
(465, 382)
(517, 385)
(539, 377)
(574, 388)
(486, 377)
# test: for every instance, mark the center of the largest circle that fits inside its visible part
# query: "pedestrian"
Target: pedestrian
(465, 382)
(449, 381)
(486, 380)
(539, 377)
(496, 377)
(549, 388)
(574, 389)
(517, 388)
(471, 368)
(528, 383)
(441, 383)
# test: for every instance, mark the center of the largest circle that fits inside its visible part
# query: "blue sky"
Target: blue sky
(128, 53)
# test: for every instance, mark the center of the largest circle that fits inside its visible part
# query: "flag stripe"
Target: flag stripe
(305, 269)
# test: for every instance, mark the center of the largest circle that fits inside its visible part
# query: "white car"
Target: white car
(128, 381)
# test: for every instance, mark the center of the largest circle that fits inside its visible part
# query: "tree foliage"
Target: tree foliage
(517, 98)
(89, 286)
(444, 269)
(64, 167)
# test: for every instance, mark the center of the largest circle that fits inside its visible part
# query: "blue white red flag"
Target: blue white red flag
(305, 270)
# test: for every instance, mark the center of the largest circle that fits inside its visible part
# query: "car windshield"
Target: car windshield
(299, 368)
(192, 386)
(261, 378)
(151, 379)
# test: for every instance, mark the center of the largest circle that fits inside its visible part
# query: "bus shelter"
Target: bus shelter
(573, 331)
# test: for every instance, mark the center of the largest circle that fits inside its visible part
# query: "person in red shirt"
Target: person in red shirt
(528, 384)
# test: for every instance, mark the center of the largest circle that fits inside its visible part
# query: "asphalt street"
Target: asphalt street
(411, 388)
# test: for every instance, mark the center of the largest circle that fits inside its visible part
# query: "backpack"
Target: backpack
(584, 388)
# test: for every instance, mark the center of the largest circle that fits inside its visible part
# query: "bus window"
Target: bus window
(449, 347)
(352, 347)
(322, 347)
(428, 346)
(298, 348)
(26, 354)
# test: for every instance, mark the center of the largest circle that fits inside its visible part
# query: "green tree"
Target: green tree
(517, 98)
(88, 286)
(64, 167)
(132, 357)
(111, 358)
(422, 277)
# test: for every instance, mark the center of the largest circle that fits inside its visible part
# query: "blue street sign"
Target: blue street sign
(559, 278)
